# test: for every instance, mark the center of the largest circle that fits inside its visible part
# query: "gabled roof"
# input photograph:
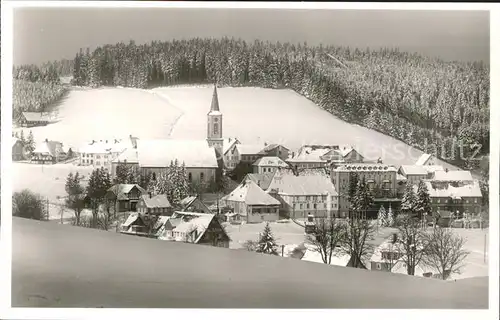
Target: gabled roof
(433, 168)
(272, 146)
(158, 201)
(188, 201)
(453, 175)
(312, 153)
(160, 153)
(228, 143)
(132, 218)
(48, 147)
(121, 190)
(251, 194)
(400, 177)
(36, 116)
(414, 170)
(244, 149)
(423, 159)
(106, 146)
(261, 179)
(196, 221)
(271, 162)
(305, 184)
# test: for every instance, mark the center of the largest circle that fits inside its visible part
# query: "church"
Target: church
(203, 159)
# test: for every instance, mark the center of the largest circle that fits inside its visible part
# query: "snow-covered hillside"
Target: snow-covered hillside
(252, 114)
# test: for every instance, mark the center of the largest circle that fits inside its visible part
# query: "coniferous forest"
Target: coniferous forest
(426, 102)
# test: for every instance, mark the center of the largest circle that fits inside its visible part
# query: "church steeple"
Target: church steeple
(215, 100)
(214, 124)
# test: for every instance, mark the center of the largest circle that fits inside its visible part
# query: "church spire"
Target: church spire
(215, 100)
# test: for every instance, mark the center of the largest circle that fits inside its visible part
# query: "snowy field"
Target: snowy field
(254, 115)
(476, 264)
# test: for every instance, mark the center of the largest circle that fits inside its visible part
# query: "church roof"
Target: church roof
(214, 107)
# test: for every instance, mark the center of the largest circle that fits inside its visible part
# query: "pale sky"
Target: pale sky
(42, 34)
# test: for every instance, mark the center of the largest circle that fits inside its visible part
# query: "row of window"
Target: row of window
(314, 206)
(267, 170)
(320, 198)
(451, 201)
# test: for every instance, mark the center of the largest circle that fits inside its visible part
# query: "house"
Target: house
(415, 173)
(268, 165)
(453, 175)
(275, 150)
(252, 203)
(245, 153)
(135, 225)
(48, 152)
(426, 160)
(230, 160)
(158, 205)
(17, 150)
(454, 195)
(32, 119)
(263, 180)
(198, 158)
(381, 179)
(101, 153)
(197, 228)
(304, 194)
(125, 196)
(319, 156)
(194, 204)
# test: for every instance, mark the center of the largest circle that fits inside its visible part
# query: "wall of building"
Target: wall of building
(466, 204)
(341, 180)
(257, 214)
(264, 169)
(194, 173)
(298, 207)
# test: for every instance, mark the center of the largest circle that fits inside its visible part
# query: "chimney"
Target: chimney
(46, 140)
(446, 169)
(150, 194)
(229, 140)
(106, 141)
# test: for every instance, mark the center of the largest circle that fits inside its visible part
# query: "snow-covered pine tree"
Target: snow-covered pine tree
(423, 201)
(267, 243)
(30, 143)
(382, 216)
(390, 217)
(409, 200)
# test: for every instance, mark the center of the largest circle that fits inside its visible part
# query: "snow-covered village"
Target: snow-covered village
(318, 155)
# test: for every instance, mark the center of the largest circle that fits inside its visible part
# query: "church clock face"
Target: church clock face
(216, 120)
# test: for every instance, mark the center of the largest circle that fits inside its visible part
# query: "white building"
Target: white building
(268, 165)
(101, 153)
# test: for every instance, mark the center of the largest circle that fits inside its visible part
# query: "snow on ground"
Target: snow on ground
(284, 233)
(47, 180)
(279, 116)
(475, 264)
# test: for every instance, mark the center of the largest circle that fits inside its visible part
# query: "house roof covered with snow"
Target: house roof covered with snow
(250, 193)
(105, 146)
(261, 179)
(122, 189)
(364, 167)
(433, 168)
(157, 201)
(48, 147)
(306, 184)
(423, 159)
(270, 162)
(400, 177)
(454, 190)
(36, 116)
(453, 175)
(270, 147)
(251, 149)
(129, 155)
(132, 218)
(160, 153)
(228, 143)
(413, 170)
(190, 221)
(312, 153)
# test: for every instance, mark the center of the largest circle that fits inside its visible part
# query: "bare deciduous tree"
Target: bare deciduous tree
(390, 253)
(250, 245)
(445, 252)
(412, 242)
(328, 235)
(355, 243)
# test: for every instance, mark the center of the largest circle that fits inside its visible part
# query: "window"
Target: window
(154, 175)
(438, 200)
(307, 206)
(301, 206)
(202, 176)
(315, 206)
(475, 200)
(190, 176)
(379, 266)
(216, 128)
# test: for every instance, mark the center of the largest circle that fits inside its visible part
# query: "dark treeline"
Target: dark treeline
(428, 103)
